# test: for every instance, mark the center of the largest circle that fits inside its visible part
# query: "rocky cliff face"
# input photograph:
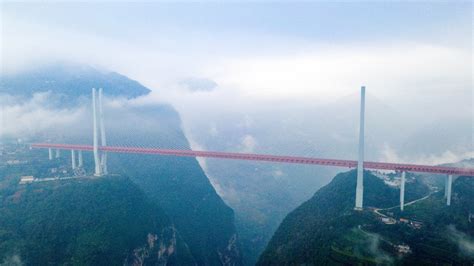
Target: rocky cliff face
(159, 249)
(228, 255)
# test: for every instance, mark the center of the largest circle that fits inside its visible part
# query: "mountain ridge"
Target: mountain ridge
(70, 79)
(177, 185)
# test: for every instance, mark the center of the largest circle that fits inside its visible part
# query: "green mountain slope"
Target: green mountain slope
(106, 221)
(178, 185)
(326, 230)
(201, 216)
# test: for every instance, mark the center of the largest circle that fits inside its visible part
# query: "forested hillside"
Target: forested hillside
(177, 185)
(326, 229)
(105, 221)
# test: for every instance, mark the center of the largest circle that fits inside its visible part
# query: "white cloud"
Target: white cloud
(248, 144)
(323, 72)
(390, 155)
(371, 245)
(194, 84)
(20, 118)
(269, 79)
(464, 241)
(12, 260)
(213, 130)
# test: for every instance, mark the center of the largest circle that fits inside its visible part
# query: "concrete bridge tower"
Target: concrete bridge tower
(103, 159)
(360, 162)
(98, 169)
(100, 158)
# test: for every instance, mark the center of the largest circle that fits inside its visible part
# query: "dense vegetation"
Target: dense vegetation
(85, 221)
(326, 229)
(178, 185)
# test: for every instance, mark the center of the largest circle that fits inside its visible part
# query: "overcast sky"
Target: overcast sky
(413, 56)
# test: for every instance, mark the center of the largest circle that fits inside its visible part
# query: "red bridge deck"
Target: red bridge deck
(268, 158)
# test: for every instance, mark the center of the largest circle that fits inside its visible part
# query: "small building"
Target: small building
(403, 220)
(27, 179)
(416, 224)
(388, 220)
(403, 249)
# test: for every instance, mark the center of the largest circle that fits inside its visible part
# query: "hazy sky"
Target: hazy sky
(205, 57)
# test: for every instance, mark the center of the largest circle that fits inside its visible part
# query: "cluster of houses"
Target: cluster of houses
(411, 223)
(9, 154)
(15, 162)
(31, 179)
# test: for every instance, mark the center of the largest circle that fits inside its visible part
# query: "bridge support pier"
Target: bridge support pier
(98, 169)
(448, 188)
(50, 154)
(79, 155)
(360, 163)
(73, 159)
(103, 159)
(402, 191)
(57, 153)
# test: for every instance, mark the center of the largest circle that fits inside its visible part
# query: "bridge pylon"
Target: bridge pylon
(73, 159)
(448, 189)
(103, 159)
(100, 158)
(360, 162)
(98, 169)
(402, 191)
(80, 161)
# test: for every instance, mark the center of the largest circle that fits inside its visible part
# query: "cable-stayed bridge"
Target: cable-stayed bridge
(100, 149)
(265, 158)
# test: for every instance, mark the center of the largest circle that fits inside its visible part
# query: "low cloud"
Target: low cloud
(371, 246)
(12, 260)
(389, 154)
(198, 84)
(22, 118)
(296, 77)
(465, 242)
(213, 131)
(248, 144)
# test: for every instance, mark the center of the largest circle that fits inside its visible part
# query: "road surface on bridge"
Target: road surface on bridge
(268, 158)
